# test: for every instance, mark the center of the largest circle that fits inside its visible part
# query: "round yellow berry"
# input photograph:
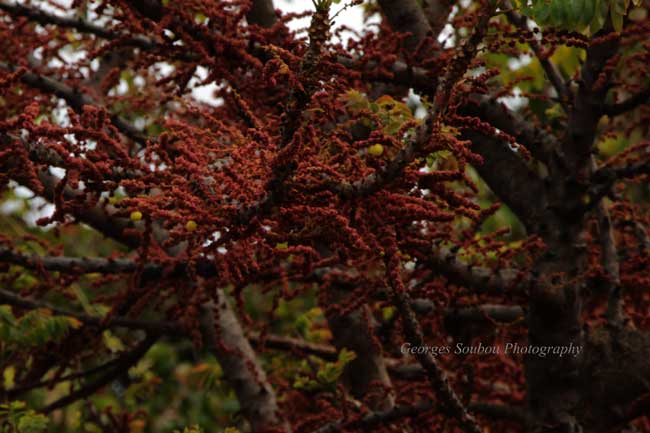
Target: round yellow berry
(191, 226)
(136, 215)
(376, 150)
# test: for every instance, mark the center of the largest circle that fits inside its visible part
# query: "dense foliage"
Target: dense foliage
(463, 174)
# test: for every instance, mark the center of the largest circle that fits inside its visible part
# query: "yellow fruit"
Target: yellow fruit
(136, 216)
(376, 150)
(190, 226)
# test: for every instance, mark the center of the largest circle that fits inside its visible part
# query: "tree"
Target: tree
(440, 225)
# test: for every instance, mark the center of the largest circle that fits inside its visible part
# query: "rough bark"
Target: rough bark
(436, 13)
(242, 369)
(555, 301)
(354, 332)
(262, 13)
(406, 16)
(614, 374)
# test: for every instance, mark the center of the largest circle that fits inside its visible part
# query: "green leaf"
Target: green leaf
(8, 376)
(617, 21)
(6, 315)
(113, 343)
(192, 429)
(32, 423)
(346, 356)
(20, 419)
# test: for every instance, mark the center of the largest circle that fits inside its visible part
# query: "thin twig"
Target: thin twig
(549, 67)
(125, 361)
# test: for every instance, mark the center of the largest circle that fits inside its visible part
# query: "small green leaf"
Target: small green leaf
(8, 376)
(617, 21)
(32, 423)
(6, 315)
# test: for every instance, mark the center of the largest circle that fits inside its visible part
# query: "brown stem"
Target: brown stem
(414, 336)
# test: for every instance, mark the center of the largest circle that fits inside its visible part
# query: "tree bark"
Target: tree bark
(262, 13)
(242, 369)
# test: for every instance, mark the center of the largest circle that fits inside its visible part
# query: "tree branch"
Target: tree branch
(436, 13)
(383, 418)
(478, 313)
(611, 265)
(378, 418)
(83, 26)
(413, 333)
(241, 366)
(75, 99)
(610, 262)
(628, 105)
(446, 261)
(406, 16)
(158, 328)
(609, 175)
(14, 392)
(603, 179)
(552, 73)
(587, 110)
(542, 145)
(516, 189)
(262, 13)
(498, 158)
(124, 362)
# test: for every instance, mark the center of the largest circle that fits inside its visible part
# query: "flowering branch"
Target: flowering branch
(413, 335)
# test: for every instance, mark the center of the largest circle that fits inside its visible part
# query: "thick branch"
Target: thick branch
(242, 369)
(587, 109)
(444, 261)
(354, 331)
(382, 418)
(611, 265)
(479, 313)
(542, 145)
(262, 13)
(100, 216)
(436, 13)
(447, 262)
(521, 183)
(498, 158)
(609, 175)
(406, 16)
(629, 104)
